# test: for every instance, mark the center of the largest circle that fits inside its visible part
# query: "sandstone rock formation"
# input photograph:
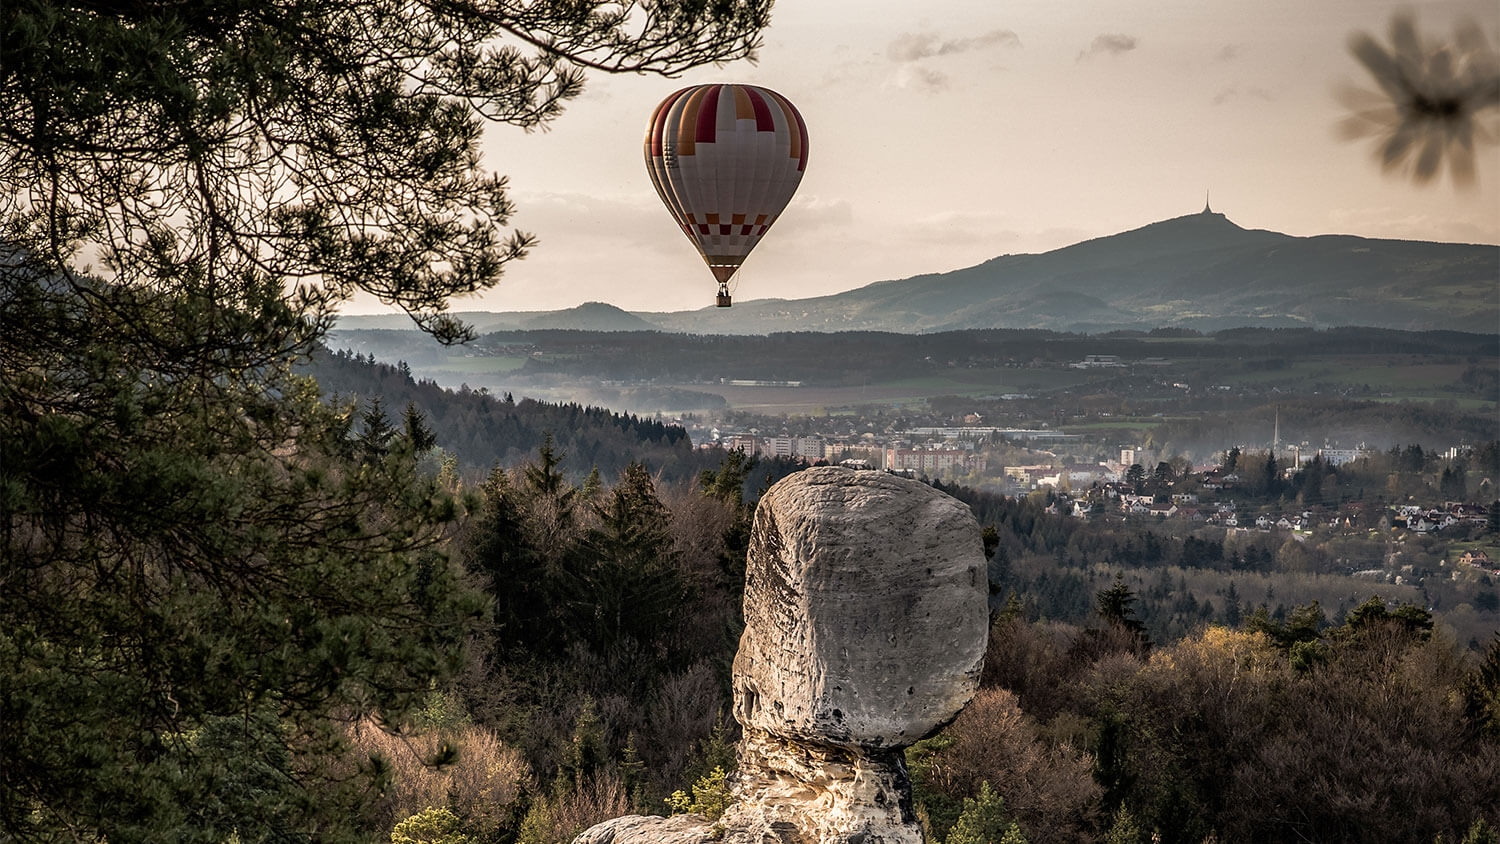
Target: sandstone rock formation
(865, 614)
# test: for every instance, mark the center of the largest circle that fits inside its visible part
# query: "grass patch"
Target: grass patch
(1460, 403)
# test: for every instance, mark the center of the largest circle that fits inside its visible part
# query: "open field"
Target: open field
(1135, 424)
(483, 365)
(1426, 382)
(1396, 375)
(1460, 403)
(897, 392)
(812, 400)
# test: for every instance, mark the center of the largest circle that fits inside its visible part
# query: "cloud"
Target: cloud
(558, 217)
(1234, 92)
(1112, 43)
(814, 212)
(918, 76)
(1399, 223)
(1228, 53)
(915, 46)
(911, 49)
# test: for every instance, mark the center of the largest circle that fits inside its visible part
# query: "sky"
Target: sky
(944, 134)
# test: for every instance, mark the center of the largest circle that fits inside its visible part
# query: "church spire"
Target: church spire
(1206, 208)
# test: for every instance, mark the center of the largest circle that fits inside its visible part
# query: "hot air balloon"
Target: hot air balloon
(725, 159)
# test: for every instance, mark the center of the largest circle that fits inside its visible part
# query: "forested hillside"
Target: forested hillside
(1107, 712)
(1190, 574)
(483, 429)
(853, 357)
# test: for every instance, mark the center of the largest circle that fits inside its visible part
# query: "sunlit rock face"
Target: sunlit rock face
(865, 610)
(639, 829)
(865, 627)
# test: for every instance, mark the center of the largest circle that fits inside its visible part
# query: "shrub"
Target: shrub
(1050, 790)
(559, 818)
(710, 796)
(429, 826)
(479, 785)
(984, 821)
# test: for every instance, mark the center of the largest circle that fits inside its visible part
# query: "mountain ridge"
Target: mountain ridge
(1196, 271)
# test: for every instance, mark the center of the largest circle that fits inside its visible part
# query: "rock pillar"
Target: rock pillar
(865, 626)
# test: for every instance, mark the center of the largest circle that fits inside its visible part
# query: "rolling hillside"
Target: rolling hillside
(1200, 271)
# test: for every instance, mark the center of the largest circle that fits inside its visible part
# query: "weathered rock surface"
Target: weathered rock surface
(865, 610)
(638, 829)
(801, 792)
(866, 619)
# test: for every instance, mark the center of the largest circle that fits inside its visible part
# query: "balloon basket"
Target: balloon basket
(723, 300)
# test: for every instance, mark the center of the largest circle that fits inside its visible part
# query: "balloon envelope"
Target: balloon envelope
(726, 159)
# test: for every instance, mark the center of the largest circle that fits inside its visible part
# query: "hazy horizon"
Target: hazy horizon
(743, 300)
(968, 131)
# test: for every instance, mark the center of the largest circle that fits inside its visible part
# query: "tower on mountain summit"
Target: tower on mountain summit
(1206, 208)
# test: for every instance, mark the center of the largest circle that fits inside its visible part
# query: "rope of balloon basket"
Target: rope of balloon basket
(732, 286)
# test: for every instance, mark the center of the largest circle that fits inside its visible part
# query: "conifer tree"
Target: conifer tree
(415, 428)
(1480, 832)
(527, 588)
(1271, 476)
(585, 752)
(728, 483)
(187, 193)
(985, 821)
(592, 485)
(1124, 829)
(1114, 607)
(1481, 693)
(375, 434)
(634, 585)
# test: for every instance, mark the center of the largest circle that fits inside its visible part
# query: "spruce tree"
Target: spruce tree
(634, 583)
(416, 430)
(728, 483)
(1114, 606)
(375, 433)
(1124, 829)
(530, 588)
(1481, 693)
(985, 821)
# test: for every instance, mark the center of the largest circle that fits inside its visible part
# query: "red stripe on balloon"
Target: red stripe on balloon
(763, 121)
(802, 128)
(800, 145)
(708, 116)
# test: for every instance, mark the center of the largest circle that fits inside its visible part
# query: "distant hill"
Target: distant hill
(590, 316)
(1199, 271)
(481, 321)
